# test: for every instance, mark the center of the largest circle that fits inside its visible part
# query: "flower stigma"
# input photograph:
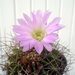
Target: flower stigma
(38, 34)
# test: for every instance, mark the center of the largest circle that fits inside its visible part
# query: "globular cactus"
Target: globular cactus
(31, 63)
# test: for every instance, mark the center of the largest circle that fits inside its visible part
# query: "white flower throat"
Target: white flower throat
(38, 34)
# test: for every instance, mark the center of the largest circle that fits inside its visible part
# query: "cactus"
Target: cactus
(31, 63)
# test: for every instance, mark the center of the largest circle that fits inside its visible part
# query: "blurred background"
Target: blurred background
(11, 10)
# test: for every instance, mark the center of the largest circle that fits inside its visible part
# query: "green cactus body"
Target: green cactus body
(31, 63)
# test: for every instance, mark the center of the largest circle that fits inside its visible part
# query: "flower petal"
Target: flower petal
(32, 43)
(22, 22)
(48, 46)
(34, 19)
(26, 48)
(39, 13)
(22, 37)
(18, 38)
(18, 29)
(21, 29)
(55, 21)
(46, 16)
(24, 43)
(46, 12)
(39, 17)
(50, 38)
(27, 19)
(54, 28)
(39, 47)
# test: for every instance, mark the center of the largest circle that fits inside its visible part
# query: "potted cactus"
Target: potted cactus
(36, 52)
(31, 63)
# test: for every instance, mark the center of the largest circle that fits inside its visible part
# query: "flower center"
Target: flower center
(38, 34)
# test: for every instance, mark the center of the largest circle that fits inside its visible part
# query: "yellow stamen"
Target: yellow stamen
(38, 34)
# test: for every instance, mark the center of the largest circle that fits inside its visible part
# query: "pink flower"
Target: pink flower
(36, 32)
